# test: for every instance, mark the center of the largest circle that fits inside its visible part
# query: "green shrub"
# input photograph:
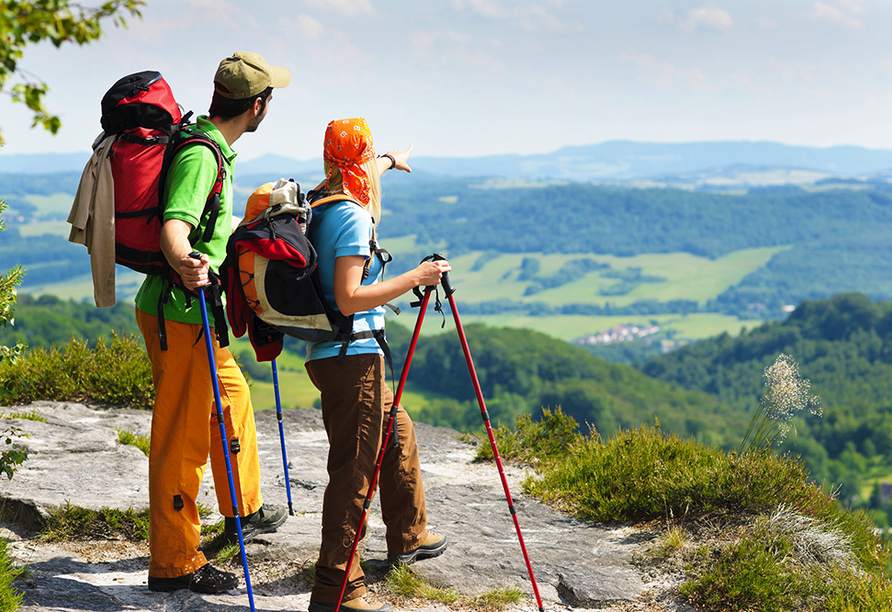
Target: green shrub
(113, 373)
(10, 597)
(772, 568)
(798, 547)
(531, 441)
(752, 575)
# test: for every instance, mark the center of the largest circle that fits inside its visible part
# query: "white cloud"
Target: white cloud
(530, 16)
(536, 18)
(703, 18)
(353, 8)
(824, 74)
(422, 42)
(825, 12)
(856, 6)
(665, 74)
(745, 79)
(484, 8)
(309, 27)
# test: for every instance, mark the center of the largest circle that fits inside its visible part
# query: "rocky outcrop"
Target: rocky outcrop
(75, 458)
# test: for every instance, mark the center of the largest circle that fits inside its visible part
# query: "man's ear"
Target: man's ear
(258, 106)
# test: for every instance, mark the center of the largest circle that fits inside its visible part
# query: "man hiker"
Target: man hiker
(184, 427)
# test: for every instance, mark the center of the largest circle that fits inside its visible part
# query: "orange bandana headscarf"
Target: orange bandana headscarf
(348, 145)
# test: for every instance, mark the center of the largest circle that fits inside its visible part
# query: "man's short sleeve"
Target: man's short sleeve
(192, 176)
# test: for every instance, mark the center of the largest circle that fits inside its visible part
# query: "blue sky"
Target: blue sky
(479, 77)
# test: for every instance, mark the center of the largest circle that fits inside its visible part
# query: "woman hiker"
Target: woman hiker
(355, 395)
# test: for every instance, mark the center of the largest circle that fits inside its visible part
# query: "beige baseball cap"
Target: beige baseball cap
(245, 74)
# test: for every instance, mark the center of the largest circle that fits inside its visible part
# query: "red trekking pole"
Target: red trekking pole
(492, 440)
(393, 410)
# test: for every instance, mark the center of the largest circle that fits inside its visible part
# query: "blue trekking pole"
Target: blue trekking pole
(282, 436)
(213, 367)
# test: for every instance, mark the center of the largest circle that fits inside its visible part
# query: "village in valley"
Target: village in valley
(620, 333)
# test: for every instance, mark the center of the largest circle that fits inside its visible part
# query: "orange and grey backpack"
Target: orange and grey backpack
(270, 276)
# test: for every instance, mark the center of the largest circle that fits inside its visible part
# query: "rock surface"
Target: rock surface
(75, 458)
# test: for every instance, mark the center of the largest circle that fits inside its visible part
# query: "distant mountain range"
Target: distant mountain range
(615, 161)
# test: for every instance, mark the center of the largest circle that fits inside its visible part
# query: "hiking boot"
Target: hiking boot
(267, 519)
(432, 546)
(206, 579)
(359, 605)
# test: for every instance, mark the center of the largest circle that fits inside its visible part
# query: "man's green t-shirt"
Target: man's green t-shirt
(191, 177)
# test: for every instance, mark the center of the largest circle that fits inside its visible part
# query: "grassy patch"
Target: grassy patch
(30, 415)
(115, 372)
(781, 562)
(495, 599)
(770, 540)
(405, 584)
(139, 441)
(686, 276)
(671, 541)
(695, 326)
(74, 523)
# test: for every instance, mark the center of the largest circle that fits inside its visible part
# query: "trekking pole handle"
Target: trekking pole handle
(444, 280)
(197, 256)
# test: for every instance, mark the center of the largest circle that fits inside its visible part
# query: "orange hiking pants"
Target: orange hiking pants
(356, 404)
(184, 432)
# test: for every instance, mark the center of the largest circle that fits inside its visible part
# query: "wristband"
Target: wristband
(391, 158)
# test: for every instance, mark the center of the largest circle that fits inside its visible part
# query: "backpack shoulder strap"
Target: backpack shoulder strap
(186, 138)
(374, 248)
(329, 199)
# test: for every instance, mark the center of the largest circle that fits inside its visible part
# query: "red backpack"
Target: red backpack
(140, 112)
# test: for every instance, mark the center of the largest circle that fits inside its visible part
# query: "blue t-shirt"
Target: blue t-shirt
(343, 229)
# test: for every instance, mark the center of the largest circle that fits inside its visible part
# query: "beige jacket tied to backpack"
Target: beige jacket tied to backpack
(92, 220)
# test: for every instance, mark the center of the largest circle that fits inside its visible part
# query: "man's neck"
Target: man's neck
(230, 129)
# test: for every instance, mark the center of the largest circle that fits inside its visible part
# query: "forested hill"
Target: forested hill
(585, 218)
(520, 371)
(839, 238)
(844, 347)
(836, 236)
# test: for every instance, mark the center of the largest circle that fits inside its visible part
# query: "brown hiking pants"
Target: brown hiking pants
(356, 404)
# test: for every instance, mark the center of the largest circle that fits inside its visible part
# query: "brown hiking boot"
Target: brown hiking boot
(432, 546)
(354, 605)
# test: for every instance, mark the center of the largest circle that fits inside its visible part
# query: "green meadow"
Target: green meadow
(687, 277)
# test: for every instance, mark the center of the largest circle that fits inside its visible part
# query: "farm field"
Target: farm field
(687, 277)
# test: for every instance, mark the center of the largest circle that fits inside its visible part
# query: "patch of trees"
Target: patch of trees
(522, 371)
(47, 258)
(47, 321)
(843, 346)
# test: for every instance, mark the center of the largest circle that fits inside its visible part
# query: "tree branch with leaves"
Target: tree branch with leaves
(25, 23)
